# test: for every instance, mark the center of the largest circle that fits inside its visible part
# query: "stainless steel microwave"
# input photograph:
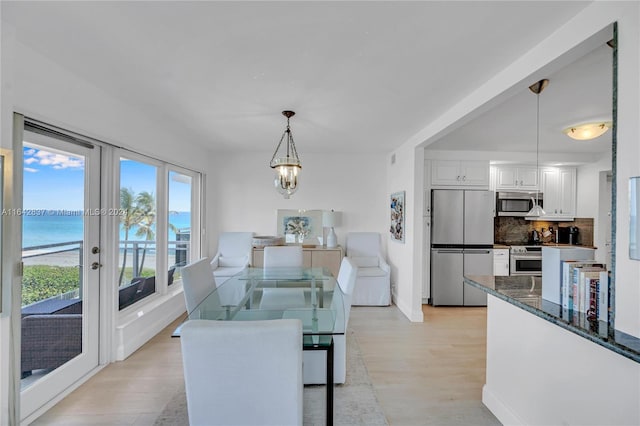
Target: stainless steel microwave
(516, 203)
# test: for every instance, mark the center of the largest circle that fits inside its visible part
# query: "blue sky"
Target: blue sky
(55, 181)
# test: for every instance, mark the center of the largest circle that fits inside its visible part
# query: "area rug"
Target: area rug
(355, 402)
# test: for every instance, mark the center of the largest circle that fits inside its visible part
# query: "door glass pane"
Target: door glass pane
(52, 251)
(137, 268)
(179, 229)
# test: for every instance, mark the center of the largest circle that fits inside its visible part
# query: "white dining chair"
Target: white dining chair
(283, 256)
(243, 372)
(282, 298)
(197, 282)
(315, 362)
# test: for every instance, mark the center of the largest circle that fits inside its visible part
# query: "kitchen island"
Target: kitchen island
(549, 366)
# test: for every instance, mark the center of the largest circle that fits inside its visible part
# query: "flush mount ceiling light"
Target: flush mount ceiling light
(584, 132)
(287, 166)
(537, 88)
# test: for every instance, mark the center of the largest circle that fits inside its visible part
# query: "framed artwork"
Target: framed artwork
(397, 217)
(294, 224)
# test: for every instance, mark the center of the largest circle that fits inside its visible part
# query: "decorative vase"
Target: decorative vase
(332, 239)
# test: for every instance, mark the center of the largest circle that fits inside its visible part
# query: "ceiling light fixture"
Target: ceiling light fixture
(537, 88)
(587, 131)
(288, 166)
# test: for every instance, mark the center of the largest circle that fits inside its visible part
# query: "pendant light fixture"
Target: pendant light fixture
(287, 166)
(537, 88)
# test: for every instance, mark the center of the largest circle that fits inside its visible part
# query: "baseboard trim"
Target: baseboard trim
(498, 408)
(145, 322)
(407, 311)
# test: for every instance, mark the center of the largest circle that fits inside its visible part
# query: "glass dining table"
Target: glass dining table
(320, 305)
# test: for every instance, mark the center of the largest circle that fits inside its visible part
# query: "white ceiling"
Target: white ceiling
(360, 75)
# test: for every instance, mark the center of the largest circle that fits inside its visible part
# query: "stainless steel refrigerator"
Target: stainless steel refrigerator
(461, 244)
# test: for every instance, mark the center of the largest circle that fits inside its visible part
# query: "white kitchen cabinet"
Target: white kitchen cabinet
(523, 178)
(501, 262)
(558, 185)
(426, 263)
(459, 173)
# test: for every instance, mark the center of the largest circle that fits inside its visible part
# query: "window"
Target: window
(180, 219)
(159, 226)
(137, 231)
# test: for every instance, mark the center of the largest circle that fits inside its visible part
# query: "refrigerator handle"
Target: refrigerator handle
(449, 250)
(471, 251)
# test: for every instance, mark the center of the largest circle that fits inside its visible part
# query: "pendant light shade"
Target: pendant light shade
(287, 165)
(537, 88)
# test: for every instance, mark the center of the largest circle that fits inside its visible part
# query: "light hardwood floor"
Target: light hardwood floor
(422, 373)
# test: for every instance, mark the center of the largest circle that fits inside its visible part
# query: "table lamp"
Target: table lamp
(329, 220)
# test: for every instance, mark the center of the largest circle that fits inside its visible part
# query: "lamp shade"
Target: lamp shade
(329, 218)
(536, 210)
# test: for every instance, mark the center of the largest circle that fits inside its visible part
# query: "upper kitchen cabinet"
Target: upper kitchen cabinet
(524, 178)
(558, 186)
(460, 173)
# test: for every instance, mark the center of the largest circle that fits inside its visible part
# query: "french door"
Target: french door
(61, 256)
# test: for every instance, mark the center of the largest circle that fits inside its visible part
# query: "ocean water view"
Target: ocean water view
(41, 230)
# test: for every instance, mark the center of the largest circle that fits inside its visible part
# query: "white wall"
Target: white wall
(627, 271)
(352, 184)
(405, 273)
(541, 374)
(590, 203)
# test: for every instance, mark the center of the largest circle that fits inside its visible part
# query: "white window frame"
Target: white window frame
(162, 203)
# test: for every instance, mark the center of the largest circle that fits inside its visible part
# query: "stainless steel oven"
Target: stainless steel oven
(525, 260)
(516, 203)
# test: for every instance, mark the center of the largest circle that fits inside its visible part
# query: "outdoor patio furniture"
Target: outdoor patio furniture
(51, 334)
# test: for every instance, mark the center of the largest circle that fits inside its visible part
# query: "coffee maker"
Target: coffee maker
(568, 235)
(573, 235)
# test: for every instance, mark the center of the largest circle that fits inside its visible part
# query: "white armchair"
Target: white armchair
(243, 372)
(373, 284)
(234, 254)
(315, 362)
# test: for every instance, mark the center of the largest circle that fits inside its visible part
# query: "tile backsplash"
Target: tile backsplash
(517, 230)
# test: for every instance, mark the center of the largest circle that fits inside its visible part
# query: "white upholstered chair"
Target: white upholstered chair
(315, 362)
(234, 254)
(243, 372)
(373, 284)
(197, 282)
(282, 298)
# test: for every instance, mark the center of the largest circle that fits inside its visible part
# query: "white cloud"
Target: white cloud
(30, 170)
(57, 161)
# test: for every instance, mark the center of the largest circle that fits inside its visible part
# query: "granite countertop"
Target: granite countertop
(526, 293)
(501, 246)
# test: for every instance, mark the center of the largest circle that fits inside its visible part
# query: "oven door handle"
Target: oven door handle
(525, 257)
